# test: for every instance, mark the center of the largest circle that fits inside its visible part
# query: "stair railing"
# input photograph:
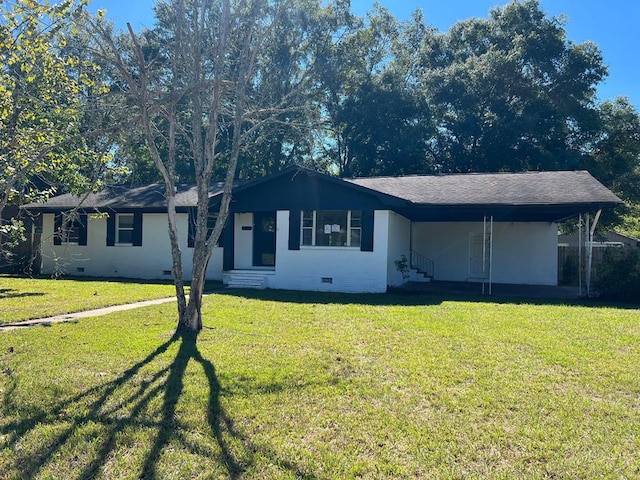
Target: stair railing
(422, 264)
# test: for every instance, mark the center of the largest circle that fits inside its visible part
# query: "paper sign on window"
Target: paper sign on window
(327, 229)
(335, 228)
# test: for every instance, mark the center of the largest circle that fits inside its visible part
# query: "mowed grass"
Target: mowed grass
(299, 385)
(23, 298)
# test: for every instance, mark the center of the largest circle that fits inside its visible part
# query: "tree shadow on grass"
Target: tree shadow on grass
(12, 293)
(426, 295)
(220, 423)
(103, 405)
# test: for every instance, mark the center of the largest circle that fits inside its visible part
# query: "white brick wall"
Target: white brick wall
(147, 261)
(399, 244)
(349, 269)
(523, 253)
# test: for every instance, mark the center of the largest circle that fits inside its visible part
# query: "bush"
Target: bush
(619, 275)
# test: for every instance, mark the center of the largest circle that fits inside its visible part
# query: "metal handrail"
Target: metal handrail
(421, 263)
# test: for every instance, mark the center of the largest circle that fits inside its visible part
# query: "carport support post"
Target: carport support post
(580, 254)
(590, 248)
(484, 251)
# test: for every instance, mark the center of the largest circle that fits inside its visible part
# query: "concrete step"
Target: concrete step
(246, 279)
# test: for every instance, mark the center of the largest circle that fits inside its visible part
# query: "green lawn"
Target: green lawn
(293, 385)
(23, 298)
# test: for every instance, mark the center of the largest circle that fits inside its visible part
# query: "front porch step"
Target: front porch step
(420, 276)
(246, 279)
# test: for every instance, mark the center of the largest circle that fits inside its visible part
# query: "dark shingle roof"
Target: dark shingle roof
(144, 196)
(530, 188)
(476, 189)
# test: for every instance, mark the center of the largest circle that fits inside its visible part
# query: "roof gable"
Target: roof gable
(299, 188)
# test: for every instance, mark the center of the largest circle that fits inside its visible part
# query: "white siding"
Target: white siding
(399, 244)
(349, 269)
(150, 261)
(523, 253)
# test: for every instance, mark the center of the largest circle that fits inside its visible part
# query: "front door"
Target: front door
(264, 239)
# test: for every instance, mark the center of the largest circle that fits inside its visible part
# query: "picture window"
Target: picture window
(331, 228)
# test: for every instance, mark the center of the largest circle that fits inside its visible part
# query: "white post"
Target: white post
(484, 249)
(590, 251)
(580, 254)
(491, 255)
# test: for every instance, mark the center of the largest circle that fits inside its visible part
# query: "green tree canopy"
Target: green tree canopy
(42, 98)
(511, 92)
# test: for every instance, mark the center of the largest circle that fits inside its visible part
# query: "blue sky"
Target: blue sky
(614, 25)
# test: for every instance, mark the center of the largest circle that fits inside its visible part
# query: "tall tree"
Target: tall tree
(614, 159)
(511, 92)
(377, 120)
(193, 81)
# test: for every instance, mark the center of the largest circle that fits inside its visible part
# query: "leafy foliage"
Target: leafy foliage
(614, 158)
(619, 275)
(41, 97)
(511, 92)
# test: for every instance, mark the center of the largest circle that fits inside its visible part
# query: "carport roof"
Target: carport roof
(529, 188)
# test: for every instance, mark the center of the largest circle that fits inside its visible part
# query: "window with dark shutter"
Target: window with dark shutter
(124, 229)
(70, 228)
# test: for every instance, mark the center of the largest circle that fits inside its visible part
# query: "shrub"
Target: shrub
(619, 275)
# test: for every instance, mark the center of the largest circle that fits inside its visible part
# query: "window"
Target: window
(331, 228)
(211, 223)
(70, 228)
(124, 229)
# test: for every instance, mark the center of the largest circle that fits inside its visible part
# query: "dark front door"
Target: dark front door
(264, 239)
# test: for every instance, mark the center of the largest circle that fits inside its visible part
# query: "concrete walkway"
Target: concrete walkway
(69, 317)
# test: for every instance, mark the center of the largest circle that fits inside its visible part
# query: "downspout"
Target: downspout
(590, 250)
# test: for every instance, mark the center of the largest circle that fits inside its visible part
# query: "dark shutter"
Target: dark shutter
(223, 234)
(111, 229)
(137, 229)
(227, 240)
(366, 245)
(294, 230)
(57, 229)
(191, 235)
(82, 229)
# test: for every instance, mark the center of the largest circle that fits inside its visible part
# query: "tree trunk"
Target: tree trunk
(192, 319)
(176, 256)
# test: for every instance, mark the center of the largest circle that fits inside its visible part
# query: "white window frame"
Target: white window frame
(127, 229)
(69, 223)
(313, 228)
